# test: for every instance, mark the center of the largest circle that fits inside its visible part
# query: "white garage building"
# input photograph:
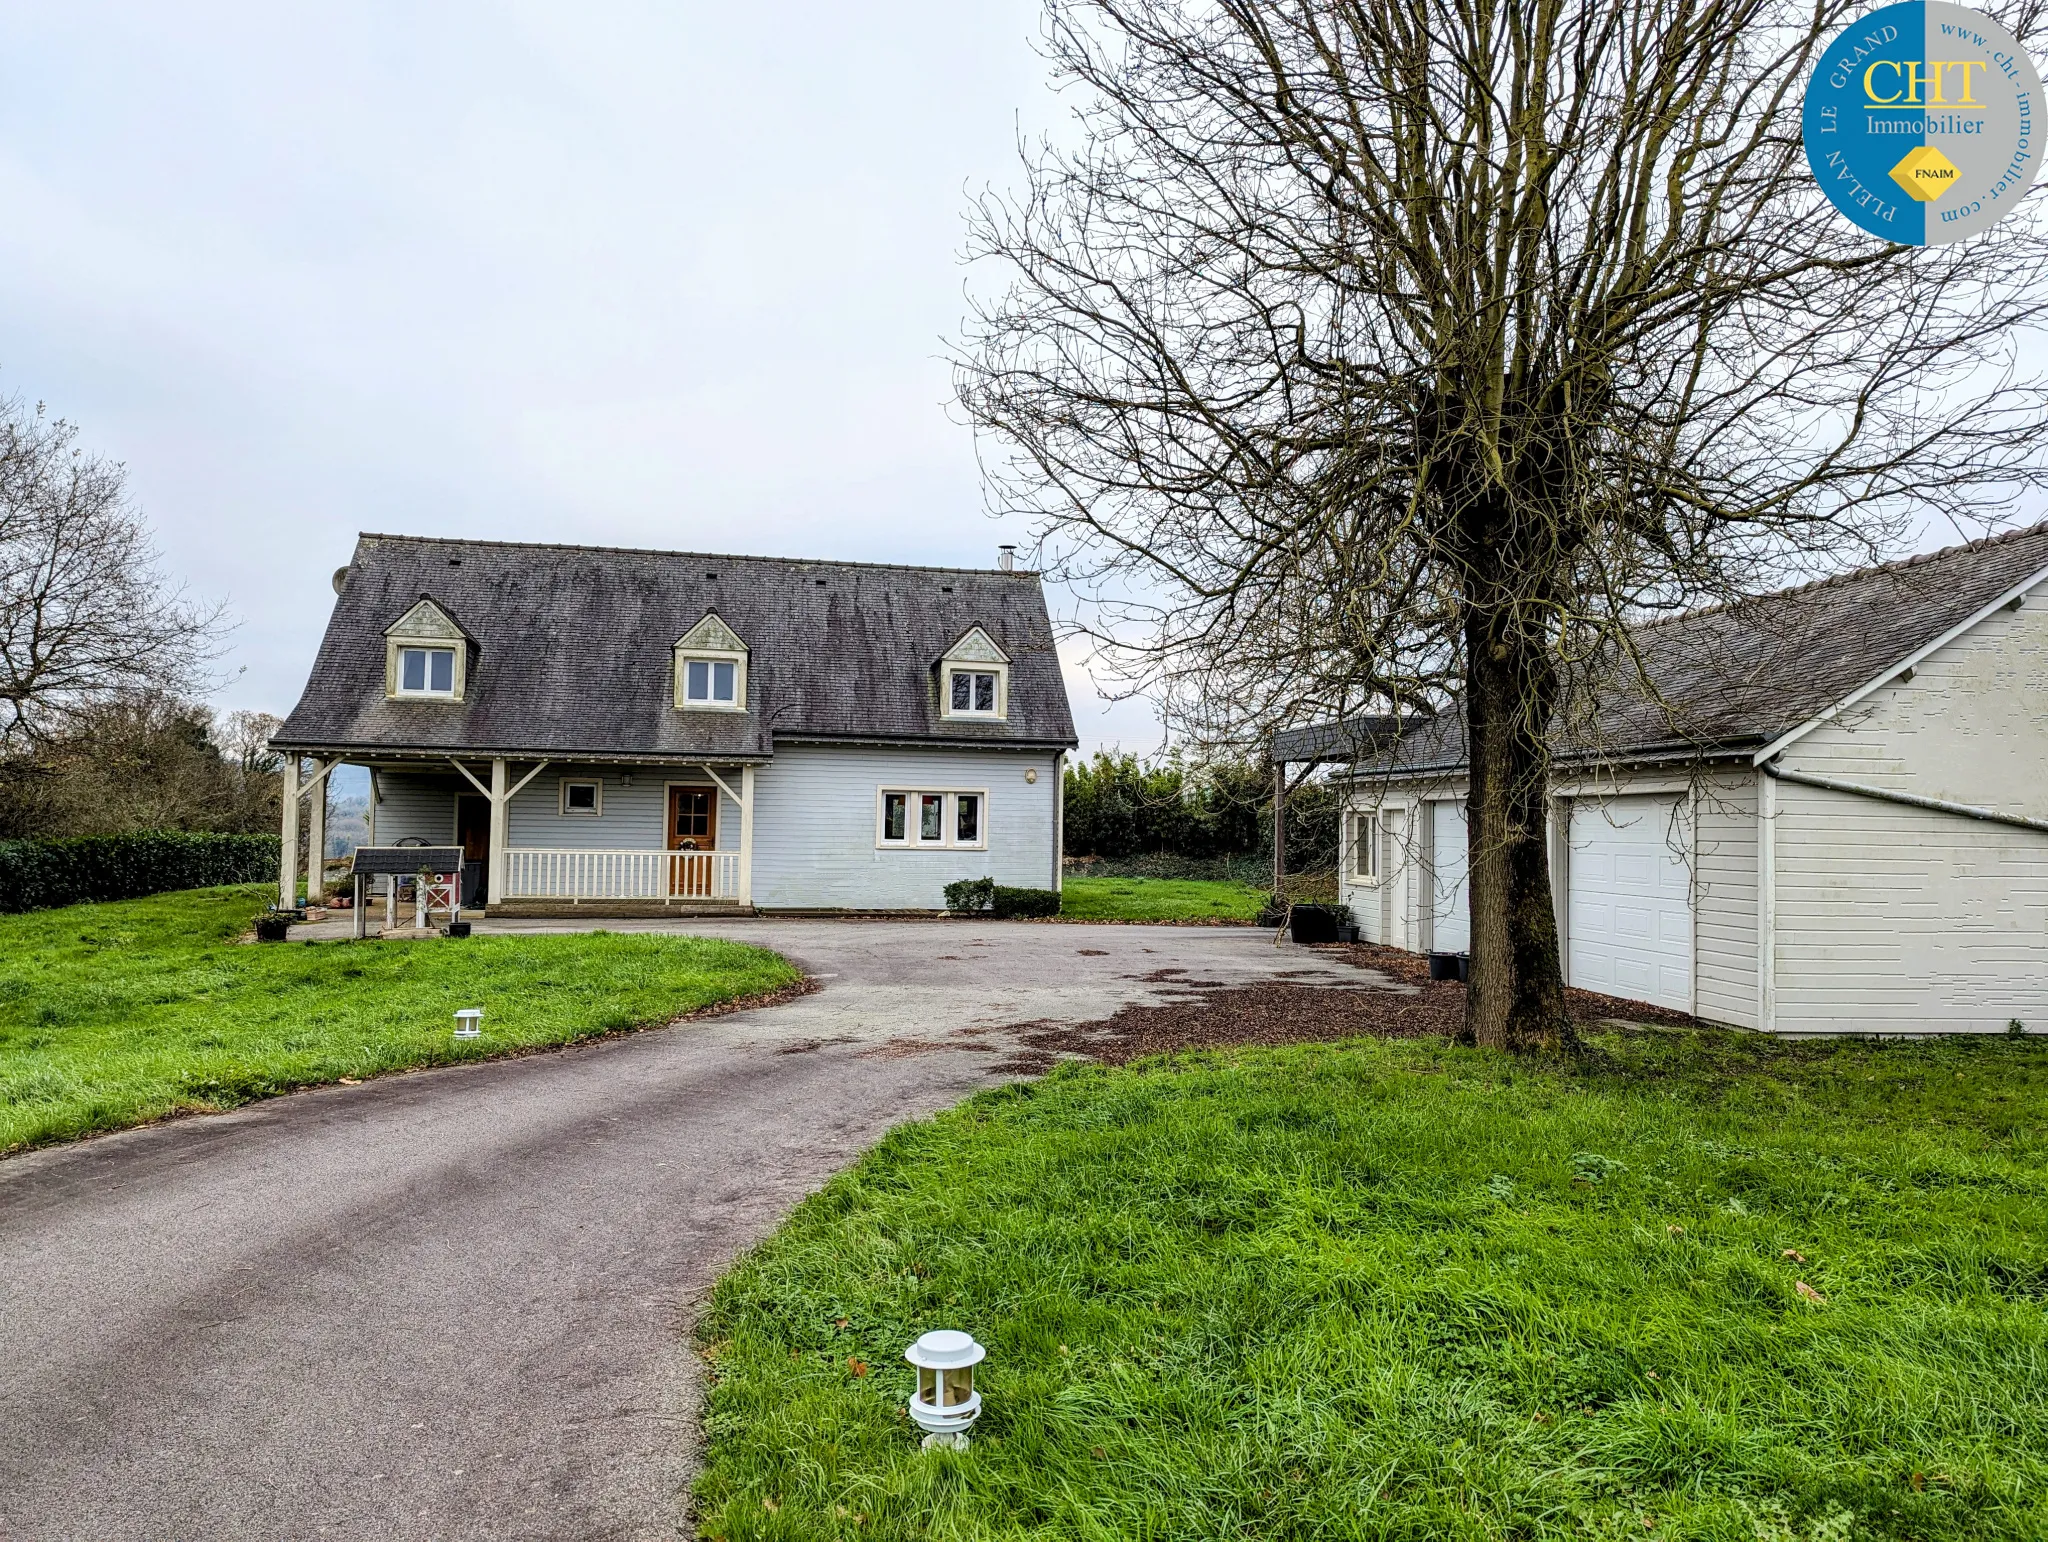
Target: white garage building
(1834, 819)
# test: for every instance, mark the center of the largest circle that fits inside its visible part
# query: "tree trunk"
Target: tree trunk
(1516, 996)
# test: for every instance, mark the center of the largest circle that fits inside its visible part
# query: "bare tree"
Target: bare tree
(142, 761)
(86, 616)
(244, 740)
(1366, 357)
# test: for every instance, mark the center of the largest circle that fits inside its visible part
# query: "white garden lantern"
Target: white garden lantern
(946, 1404)
(469, 1022)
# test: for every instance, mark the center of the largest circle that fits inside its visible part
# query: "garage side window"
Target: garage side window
(1365, 846)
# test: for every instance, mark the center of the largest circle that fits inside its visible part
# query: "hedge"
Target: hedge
(987, 897)
(37, 875)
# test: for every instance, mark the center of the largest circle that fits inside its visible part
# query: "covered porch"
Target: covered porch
(551, 836)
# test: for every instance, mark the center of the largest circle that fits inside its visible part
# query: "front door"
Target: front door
(473, 835)
(692, 826)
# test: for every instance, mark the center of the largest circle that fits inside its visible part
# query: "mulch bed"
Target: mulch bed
(1216, 1016)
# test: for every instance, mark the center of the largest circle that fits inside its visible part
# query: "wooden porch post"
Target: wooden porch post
(747, 836)
(288, 837)
(501, 824)
(1279, 829)
(316, 834)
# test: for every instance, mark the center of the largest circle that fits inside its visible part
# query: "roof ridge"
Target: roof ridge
(717, 556)
(1897, 565)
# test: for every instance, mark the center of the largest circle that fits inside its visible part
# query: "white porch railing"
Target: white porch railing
(547, 872)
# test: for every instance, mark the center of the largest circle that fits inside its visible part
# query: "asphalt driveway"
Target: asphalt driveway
(455, 1303)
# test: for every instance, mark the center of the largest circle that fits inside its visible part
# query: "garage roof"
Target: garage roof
(1740, 676)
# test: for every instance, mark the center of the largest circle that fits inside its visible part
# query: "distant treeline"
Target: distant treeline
(1118, 808)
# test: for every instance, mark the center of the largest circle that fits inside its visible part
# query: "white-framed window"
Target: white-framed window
(424, 671)
(974, 692)
(581, 795)
(711, 682)
(912, 819)
(1365, 846)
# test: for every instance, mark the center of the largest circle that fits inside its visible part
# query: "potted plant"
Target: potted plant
(1313, 924)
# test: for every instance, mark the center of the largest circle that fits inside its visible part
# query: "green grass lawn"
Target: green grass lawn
(1158, 899)
(114, 1014)
(1401, 1290)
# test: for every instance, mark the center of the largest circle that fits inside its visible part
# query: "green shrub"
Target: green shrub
(1116, 806)
(36, 875)
(1026, 902)
(971, 894)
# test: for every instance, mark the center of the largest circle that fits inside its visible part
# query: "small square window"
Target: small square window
(972, 693)
(426, 671)
(581, 798)
(711, 682)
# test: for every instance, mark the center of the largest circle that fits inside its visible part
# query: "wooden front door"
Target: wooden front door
(692, 826)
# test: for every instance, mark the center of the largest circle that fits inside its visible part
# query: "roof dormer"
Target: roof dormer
(711, 668)
(974, 679)
(426, 655)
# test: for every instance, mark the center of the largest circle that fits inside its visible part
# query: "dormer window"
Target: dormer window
(973, 693)
(711, 668)
(426, 671)
(710, 682)
(974, 678)
(426, 655)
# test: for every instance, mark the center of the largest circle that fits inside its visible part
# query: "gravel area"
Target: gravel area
(1216, 1015)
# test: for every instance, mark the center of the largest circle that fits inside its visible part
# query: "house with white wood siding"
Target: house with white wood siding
(1826, 813)
(640, 732)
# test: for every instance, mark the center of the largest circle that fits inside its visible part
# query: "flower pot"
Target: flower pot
(1449, 966)
(272, 928)
(1312, 924)
(456, 929)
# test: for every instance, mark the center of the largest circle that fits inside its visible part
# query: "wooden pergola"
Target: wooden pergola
(1343, 742)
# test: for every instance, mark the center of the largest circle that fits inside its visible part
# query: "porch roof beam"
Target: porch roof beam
(479, 786)
(711, 772)
(517, 789)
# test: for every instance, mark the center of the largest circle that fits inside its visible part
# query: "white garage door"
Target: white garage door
(1450, 909)
(1629, 913)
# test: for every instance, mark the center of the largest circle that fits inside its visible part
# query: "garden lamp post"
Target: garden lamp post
(946, 1404)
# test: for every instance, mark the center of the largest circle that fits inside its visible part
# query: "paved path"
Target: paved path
(455, 1304)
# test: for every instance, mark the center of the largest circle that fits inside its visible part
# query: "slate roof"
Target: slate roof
(1733, 678)
(1351, 738)
(573, 652)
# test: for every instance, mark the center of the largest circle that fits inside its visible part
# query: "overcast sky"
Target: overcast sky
(671, 275)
